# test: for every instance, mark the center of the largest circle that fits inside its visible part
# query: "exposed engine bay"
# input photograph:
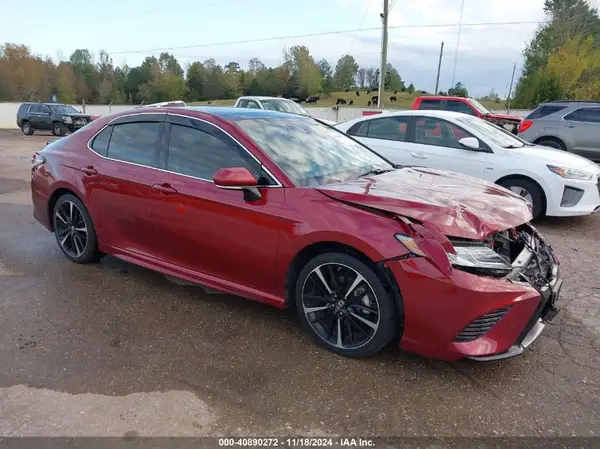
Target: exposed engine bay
(518, 254)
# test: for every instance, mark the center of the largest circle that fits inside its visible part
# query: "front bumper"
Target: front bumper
(437, 309)
(587, 194)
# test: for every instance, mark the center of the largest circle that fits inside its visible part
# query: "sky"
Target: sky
(130, 30)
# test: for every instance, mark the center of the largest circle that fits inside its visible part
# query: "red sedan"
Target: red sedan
(288, 211)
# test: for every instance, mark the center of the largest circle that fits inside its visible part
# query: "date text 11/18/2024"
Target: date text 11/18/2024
(296, 442)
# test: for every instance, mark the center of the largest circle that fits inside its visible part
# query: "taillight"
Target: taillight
(525, 125)
(37, 160)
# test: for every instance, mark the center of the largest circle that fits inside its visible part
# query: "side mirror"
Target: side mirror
(238, 178)
(471, 143)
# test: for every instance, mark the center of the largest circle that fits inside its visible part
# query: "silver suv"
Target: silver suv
(566, 125)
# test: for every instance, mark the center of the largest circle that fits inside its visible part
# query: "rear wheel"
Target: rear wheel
(552, 143)
(58, 129)
(528, 191)
(74, 230)
(345, 306)
(27, 129)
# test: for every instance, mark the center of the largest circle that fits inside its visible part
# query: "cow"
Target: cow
(393, 99)
(351, 102)
(374, 99)
(395, 92)
(357, 93)
(340, 101)
(369, 103)
(312, 99)
(210, 102)
(347, 90)
(368, 91)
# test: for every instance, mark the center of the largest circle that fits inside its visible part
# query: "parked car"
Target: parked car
(55, 117)
(274, 104)
(467, 106)
(572, 126)
(162, 104)
(555, 182)
(285, 210)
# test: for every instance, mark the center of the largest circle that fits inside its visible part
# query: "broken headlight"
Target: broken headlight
(480, 259)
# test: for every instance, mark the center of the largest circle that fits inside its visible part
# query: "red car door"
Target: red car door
(118, 179)
(211, 230)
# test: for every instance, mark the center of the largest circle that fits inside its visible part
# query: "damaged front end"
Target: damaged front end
(520, 255)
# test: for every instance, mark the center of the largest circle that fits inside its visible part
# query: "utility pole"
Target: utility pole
(437, 80)
(384, 43)
(462, 8)
(510, 88)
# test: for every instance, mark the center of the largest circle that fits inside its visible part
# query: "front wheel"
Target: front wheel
(528, 191)
(74, 230)
(58, 129)
(345, 306)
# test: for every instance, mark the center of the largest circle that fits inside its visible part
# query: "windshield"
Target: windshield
(311, 154)
(493, 133)
(283, 106)
(62, 109)
(481, 108)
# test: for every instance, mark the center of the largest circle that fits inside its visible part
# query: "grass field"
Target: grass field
(404, 100)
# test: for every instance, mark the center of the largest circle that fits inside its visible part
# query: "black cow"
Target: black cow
(351, 102)
(340, 101)
(374, 99)
(393, 99)
(357, 93)
(368, 91)
(395, 92)
(347, 90)
(369, 103)
(312, 99)
(210, 102)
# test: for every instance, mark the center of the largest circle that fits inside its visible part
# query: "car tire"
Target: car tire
(529, 190)
(58, 129)
(27, 128)
(354, 320)
(74, 230)
(556, 144)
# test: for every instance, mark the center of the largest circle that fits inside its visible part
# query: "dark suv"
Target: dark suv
(54, 117)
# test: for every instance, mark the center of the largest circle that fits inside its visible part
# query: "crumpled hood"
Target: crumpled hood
(458, 205)
(512, 118)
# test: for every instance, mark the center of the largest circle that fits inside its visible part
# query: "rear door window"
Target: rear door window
(587, 115)
(135, 142)
(388, 128)
(35, 109)
(101, 141)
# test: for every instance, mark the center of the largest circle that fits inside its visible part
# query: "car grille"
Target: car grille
(478, 327)
(80, 121)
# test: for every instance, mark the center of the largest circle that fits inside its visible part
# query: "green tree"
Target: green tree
(196, 77)
(213, 87)
(326, 72)
(345, 72)
(86, 73)
(395, 81)
(459, 90)
(305, 75)
(411, 88)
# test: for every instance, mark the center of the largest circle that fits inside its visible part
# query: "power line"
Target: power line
(358, 28)
(325, 33)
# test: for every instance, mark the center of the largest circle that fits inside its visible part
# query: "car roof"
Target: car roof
(441, 97)
(226, 113)
(262, 97)
(572, 103)
(47, 104)
(419, 112)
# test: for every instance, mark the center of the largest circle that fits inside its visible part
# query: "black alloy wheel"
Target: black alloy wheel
(74, 230)
(345, 305)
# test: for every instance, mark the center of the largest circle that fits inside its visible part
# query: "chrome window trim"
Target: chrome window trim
(578, 109)
(172, 172)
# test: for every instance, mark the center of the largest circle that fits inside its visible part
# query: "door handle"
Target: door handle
(164, 188)
(89, 170)
(419, 155)
(570, 126)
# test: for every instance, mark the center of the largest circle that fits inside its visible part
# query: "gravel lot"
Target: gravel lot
(114, 349)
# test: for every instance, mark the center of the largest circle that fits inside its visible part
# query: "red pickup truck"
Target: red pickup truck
(467, 106)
